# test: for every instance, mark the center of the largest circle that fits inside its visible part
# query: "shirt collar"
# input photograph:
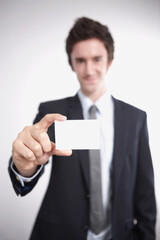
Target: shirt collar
(102, 103)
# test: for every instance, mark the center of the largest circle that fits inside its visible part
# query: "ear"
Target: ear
(71, 64)
(72, 68)
(109, 64)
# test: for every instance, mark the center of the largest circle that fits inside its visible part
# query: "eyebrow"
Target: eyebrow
(83, 58)
(79, 58)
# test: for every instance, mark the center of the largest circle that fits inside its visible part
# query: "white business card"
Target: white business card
(77, 134)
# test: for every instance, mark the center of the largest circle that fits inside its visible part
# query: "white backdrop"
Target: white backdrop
(34, 68)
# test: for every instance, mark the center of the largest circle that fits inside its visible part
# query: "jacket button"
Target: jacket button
(135, 221)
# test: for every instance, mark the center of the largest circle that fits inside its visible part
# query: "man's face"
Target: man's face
(90, 62)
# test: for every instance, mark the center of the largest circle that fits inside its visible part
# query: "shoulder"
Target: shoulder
(59, 105)
(128, 110)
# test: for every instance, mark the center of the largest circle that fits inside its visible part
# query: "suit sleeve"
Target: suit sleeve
(145, 205)
(28, 186)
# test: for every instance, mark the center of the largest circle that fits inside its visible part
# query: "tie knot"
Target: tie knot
(92, 112)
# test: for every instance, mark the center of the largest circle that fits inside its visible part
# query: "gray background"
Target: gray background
(34, 68)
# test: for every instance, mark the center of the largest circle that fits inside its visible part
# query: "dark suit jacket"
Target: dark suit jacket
(64, 214)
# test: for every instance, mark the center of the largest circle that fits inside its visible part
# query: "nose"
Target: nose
(89, 68)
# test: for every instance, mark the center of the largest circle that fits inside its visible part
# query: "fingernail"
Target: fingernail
(64, 117)
(68, 151)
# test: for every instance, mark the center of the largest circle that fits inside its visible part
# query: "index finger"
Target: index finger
(48, 119)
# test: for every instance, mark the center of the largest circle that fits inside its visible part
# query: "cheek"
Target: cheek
(80, 71)
(102, 67)
(102, 70)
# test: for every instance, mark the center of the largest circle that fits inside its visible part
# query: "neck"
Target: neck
(94, 96)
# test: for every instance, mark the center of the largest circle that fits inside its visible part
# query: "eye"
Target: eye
(79, 60)
(97, 59)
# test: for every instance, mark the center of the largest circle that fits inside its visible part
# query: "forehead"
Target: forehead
(89, 48)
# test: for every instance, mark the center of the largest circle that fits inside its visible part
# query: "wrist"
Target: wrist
(26, 172)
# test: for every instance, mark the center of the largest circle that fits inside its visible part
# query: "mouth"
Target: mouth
(90, 79)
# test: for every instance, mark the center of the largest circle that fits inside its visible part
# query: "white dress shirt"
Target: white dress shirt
(105, 115)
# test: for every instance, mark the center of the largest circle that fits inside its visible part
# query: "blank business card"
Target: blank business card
(77, 134)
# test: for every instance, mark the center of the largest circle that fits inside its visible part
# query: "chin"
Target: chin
(89, 91)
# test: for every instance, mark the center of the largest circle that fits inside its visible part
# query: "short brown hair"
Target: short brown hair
(85, 28)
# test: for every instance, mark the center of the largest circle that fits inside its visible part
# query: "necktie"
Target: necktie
(97, 218)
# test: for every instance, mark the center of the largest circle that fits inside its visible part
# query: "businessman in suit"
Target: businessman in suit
(126, 190)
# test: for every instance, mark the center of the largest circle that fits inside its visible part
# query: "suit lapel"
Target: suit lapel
(120, 140)
(121, 132)
(75, 112)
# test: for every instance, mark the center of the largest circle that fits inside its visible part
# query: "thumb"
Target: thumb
(54, 151)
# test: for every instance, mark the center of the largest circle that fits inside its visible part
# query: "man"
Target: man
(126, 192)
